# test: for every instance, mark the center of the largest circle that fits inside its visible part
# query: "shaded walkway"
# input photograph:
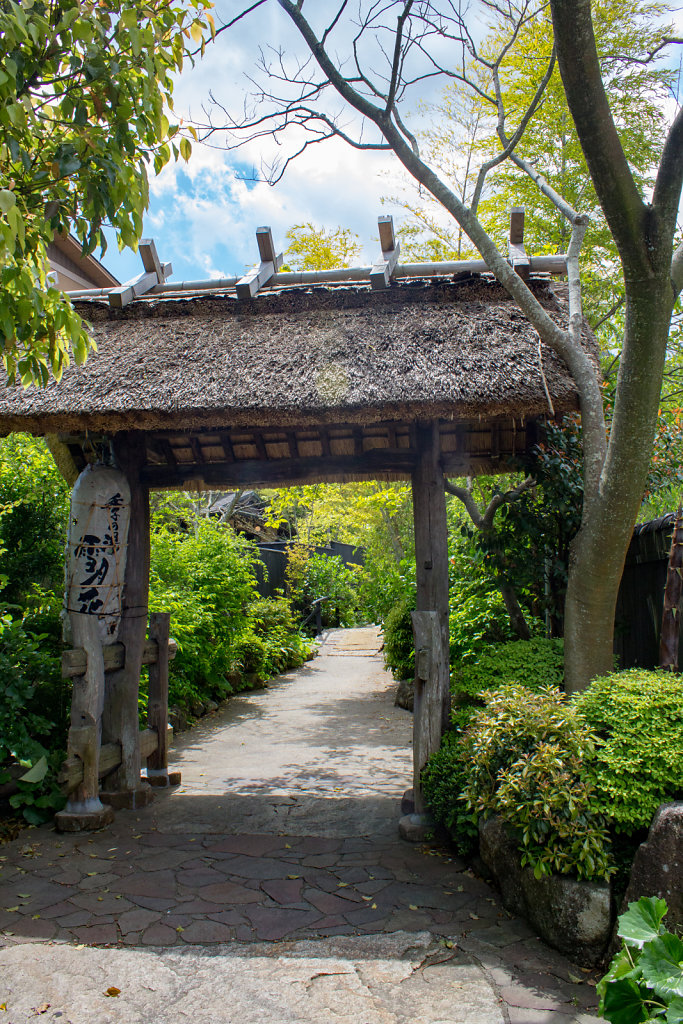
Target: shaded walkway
(275, 884)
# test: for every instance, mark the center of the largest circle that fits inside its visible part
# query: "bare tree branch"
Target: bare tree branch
(484, 520)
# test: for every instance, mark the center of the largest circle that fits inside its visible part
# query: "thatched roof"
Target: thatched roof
(306, 356)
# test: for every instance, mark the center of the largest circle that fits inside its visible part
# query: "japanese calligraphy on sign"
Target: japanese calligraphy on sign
(97, 546)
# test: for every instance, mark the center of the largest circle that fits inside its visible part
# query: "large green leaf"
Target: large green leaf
(642, 922)
(623, 1003)
(674, 1014)
(621, 967)
(662, 965)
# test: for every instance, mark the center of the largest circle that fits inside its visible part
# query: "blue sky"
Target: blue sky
(203, 215)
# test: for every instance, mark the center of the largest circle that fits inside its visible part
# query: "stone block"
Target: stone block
(405, 694)
(658, 864)
(570, 915)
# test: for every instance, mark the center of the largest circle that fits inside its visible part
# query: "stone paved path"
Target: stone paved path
(279, 860)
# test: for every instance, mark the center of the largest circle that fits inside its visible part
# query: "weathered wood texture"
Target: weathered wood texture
(74, 661)
(71, 772)
(427, 710)
(120, 716)
(241, 456)
(668, 644)
(431, 715)
(87, 702)
(638, 617)
(157, 705)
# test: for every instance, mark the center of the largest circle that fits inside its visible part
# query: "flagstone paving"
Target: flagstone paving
(190, 873)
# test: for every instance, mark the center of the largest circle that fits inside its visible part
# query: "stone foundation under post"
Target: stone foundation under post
(430, 622)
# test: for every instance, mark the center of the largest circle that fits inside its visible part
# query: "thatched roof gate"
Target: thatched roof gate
(415, 380)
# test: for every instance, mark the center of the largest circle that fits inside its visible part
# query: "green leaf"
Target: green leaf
(674, 1014)
(37, 773)
(662, 965)
(185, 148)
(7, 199)
(642, 922)
(623, 1003)
(621, 967)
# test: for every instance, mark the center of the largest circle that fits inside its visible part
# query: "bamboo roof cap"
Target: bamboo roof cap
(420, 350)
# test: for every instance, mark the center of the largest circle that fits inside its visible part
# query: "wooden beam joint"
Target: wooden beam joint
(264, 272)
(383, 270)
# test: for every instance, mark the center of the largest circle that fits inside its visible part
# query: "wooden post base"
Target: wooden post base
(408, 802)
(162, 779)
(81, 817)
(129, 799)
(416, 828)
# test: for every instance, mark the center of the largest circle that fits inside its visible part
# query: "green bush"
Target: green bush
(477, 619)
(25, 734)
(399, 643)
(526, 754)
(328, 576)
(637, 717)
(534, 663)
(443, 780)
(272, 621)
(206, 581)
(34, 509)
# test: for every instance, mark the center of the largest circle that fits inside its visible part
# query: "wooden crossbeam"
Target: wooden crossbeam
(249, 472)
(250, 285)
(74, 662)
(154, 273)
(381, 273)
(71, 773)
(197, 450)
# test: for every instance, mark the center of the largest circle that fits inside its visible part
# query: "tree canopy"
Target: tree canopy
(85, 93)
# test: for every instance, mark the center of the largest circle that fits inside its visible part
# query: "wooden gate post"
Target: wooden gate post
(84, 809)
(123, 787)
(157, 704)
(430, 622)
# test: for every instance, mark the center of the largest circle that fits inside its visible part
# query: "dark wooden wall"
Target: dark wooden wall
(274, 558)
(641, 595)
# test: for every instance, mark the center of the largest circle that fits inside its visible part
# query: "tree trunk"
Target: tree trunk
(514, 610)
(599, 549)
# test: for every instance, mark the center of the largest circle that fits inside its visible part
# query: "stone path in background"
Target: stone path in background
(272, 885)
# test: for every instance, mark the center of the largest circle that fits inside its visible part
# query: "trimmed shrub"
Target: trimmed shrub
(637, 717)
(526, 754)
(443, 779)
(534, 663)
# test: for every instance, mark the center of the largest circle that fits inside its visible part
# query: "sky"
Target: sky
(203, 214)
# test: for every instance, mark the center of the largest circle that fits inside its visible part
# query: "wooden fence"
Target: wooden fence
(154, 740)
(638, 617)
